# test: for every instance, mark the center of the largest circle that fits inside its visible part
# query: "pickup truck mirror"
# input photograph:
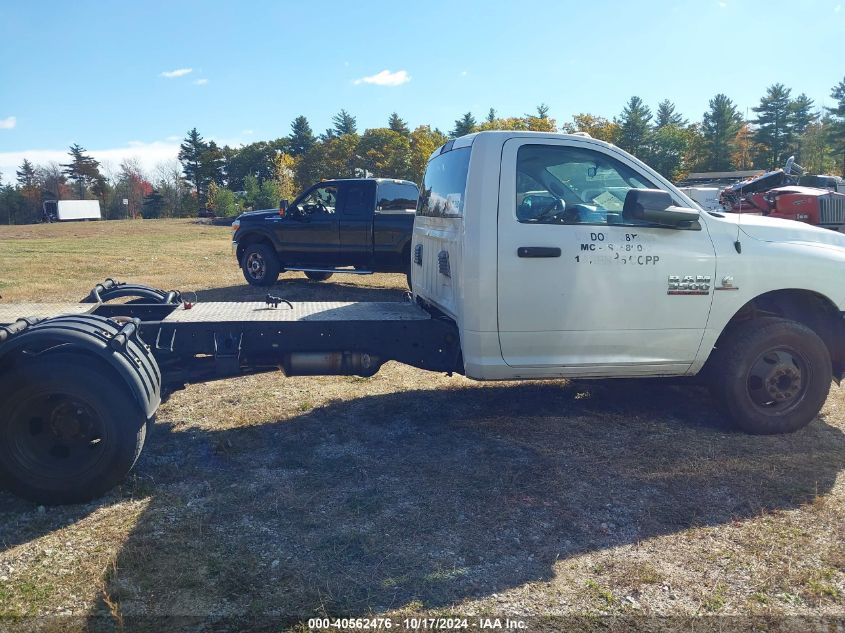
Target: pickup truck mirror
(283, 207)
(656, 206)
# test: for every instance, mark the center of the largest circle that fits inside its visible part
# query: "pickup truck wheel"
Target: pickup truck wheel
(771, 376)
(316, 276)
(69, 430)
(260, 265)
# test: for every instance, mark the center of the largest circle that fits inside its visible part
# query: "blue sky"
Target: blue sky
(102, 73)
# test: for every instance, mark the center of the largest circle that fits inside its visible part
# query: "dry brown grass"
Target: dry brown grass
(410, 492)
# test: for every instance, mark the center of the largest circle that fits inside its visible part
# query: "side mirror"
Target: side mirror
(656, 206)
(283, 207)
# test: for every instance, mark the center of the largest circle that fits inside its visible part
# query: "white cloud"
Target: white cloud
(723, 4)
(8, 123)
(247, 132)
(148, 154)
(200, 82)
(386, 78)
(837, 8)
(179, 72)
(464, 73)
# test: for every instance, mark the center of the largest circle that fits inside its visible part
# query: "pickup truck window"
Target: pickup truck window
(444, 185)
(571, 185)
(321, 201)
(357, 202)
(397, 196)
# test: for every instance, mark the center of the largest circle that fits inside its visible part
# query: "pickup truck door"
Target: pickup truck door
(308, 235)
(357, 202)
(580, 288)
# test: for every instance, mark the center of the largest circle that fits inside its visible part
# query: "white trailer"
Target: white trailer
(706, 197)
(65, 210)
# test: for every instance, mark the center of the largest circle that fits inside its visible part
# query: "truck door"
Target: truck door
(357, 202)
(582, 288)
(309, 233)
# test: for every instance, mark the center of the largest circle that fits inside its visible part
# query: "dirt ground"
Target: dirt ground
(271, 500)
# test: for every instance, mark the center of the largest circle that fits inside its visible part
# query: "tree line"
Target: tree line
(228, 180)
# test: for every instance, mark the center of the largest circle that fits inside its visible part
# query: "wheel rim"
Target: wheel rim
(256, 266)
(56, 436)
(778, 380)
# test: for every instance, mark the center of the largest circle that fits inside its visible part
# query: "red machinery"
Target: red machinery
(775, 194)
(819, 207)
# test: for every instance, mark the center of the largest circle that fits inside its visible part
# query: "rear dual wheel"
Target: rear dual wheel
(770, 376)
(70, 430)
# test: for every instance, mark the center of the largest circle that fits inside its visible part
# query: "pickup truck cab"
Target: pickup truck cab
(356, 226)
(562, 255)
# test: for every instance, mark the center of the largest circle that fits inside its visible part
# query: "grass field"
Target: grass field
(410, 492)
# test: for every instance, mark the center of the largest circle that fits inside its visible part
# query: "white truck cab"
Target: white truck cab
(564, 256)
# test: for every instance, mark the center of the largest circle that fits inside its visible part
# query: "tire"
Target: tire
(70, 430)
(770, 376)
(315, 276)
(260, 264)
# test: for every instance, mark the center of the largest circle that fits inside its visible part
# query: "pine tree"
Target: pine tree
(344, 123)
(774, 123)
(802, 114)
(191, 153)
(152, 205)
(837, 126)
(719, 128)
(542, 111)
(465, 125)
(212, 161)
(398, 125)
(491, 116)
(26, 175)
(82, 169)
(666, 115)
(634, 127)
(301, 136)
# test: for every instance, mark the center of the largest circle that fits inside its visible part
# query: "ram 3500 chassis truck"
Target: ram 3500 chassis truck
(533, 256)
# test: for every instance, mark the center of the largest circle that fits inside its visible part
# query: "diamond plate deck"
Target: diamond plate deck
(220, 312)
(11, 312)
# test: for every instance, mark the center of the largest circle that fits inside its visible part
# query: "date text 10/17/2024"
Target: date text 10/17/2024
(417, 624)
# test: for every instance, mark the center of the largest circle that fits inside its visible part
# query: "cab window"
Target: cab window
(572, 185)
(358, 199)
(444, 185)
(397, 197)
(320, 201)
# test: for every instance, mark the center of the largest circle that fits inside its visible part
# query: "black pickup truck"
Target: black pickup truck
(360, 226)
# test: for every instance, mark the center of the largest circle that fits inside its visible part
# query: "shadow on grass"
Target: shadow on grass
(338, 288)
(434, 497)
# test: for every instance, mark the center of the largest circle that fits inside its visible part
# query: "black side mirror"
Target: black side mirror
(656, 206)
(283, 205)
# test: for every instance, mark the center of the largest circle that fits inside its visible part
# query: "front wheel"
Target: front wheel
(770, 376)
(313, 275)
(69, 429)
(260, 265)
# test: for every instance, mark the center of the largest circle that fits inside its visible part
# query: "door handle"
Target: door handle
(538, 251)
